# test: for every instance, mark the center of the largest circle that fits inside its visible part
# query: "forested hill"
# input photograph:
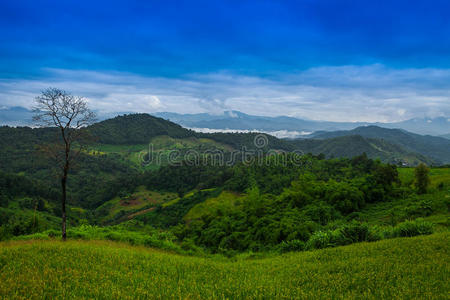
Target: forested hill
(389, 145)
(136, 129)
(141, 128)
(437, 148)
(354, 145)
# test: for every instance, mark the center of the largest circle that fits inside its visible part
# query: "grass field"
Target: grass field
(390, 269)
(437, 175)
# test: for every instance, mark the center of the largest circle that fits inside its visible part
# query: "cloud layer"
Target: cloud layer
(345, 93)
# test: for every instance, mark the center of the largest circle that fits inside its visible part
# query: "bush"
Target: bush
(4, 199)
(53, 233)
(413, 228)
(293, 245)
(352, 233)
(188, 245)
(376, 233)
(422, 208)
(319, 240)
(422, 181)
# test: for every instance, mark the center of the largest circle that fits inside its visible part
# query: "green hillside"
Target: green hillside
(437, 148)
(405, 268)
(126, 206)
(135, 129)
(354, 145)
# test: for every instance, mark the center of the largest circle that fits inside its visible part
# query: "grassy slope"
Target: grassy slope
(437, 175)
(160, 145)
(122, 209)
(399, 268)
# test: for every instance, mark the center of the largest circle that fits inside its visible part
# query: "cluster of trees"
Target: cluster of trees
(92, 179)
(279, 203)
(12, 186)
(23, 203)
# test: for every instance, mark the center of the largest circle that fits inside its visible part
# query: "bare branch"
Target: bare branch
(70, 114)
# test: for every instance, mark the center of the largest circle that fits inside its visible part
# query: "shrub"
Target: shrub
(352, 233)
(51, 233)
(344, 197)
(321, 212)
(188, 245)
(422, 178)
(319, 240)
(293, 245)
(376, 233)
(421, 209)
(413, 228)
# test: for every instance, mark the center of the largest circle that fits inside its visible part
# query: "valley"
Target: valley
(172, 199)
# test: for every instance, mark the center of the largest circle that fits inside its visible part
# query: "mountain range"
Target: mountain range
(232, 121)
(294, 127)
(434, 147)
(390, 145)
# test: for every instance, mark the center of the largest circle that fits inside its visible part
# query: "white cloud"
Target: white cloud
(278, 133)
(346, 93)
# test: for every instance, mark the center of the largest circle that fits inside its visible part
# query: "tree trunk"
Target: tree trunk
(63, 203)
(63, 184)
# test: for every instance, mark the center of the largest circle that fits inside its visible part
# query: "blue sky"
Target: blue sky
(333, 60)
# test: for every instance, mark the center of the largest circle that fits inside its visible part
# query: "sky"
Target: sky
(382, 61)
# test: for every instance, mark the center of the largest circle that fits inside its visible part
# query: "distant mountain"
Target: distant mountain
(21, 116)
(389, 145)
(354, 145)
(430, 126)
(297, 127)
(437, 148)
(239, 121)
(283, 127)
(445, 136)
(141, 128)
(15, 116)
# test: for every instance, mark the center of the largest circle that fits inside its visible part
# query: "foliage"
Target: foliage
(413, 228)
(422, 181)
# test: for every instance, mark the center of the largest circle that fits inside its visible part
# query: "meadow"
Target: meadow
(398, 268)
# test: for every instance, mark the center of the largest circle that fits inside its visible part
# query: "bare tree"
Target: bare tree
(69, 114)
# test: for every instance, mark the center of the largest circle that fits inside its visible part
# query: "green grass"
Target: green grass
(437, 175)
(391, 269)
